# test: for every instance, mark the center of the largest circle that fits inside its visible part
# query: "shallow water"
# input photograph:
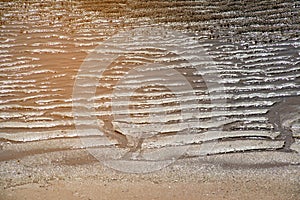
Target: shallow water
(257, 60)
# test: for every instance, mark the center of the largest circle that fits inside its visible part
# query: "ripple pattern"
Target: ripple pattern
(255, 47)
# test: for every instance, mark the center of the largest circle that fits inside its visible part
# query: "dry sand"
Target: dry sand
(92, 189)
(81, 177)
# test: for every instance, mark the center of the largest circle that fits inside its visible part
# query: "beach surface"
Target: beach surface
(138, 99)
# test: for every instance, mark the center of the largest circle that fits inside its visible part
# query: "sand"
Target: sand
(80, 176)
(91, 189)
